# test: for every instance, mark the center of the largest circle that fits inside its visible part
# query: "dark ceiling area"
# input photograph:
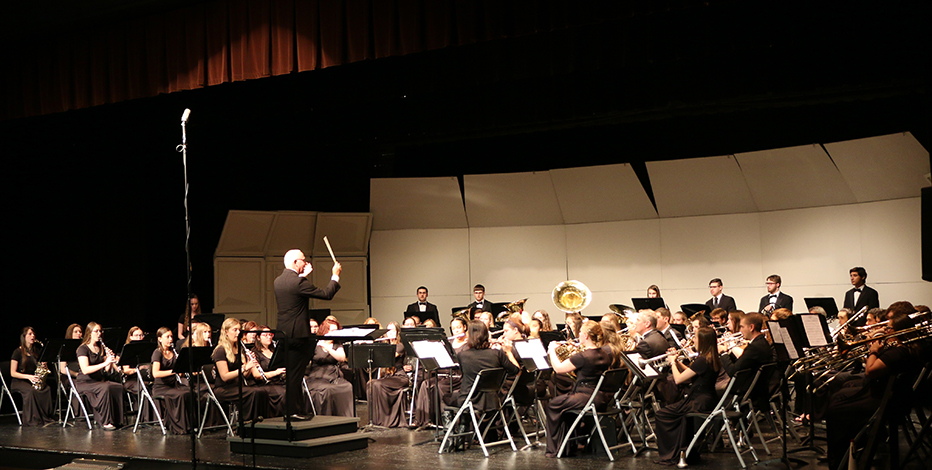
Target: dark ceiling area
(94, 197)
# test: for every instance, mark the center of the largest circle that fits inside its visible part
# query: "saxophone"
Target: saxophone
(42, 372)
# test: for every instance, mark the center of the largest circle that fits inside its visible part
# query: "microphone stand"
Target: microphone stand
(183, 149)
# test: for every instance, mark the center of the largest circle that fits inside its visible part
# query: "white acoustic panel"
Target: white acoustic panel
(402, 260)
(891, 234)
(810, 246)
(348, 234)
(517, 261)
(416, 203)
(695, 250)
(245, 233)
(916, 292)
(290, 230)
(793, 177)
(699, 186)
(613, 256)
(880, 168)
(353, 294)
(238, 286)
(601, 194)
(513, 199)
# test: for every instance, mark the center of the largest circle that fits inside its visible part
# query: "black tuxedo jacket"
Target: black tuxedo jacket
(430, 312)
(486, 307)
(868, 298)
(727, 303)
(291, 293)
(783, 301)
(653, 345)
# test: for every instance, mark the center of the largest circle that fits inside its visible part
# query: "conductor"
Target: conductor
(292, 291)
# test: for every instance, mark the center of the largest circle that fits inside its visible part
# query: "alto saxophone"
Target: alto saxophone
(42, 372)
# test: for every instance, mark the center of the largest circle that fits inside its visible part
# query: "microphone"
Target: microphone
(186, 115)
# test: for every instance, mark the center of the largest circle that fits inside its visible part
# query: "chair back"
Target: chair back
(729, 393)
(611, 377)
(5, 373)
(487, 381)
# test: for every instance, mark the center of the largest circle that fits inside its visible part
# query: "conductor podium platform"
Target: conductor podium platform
(319, 436)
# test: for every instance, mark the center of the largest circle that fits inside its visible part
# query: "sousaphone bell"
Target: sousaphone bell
(571, 296)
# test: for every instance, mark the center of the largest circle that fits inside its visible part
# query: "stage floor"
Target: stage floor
(32, 448)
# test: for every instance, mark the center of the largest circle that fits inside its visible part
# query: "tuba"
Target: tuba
(571, 296)
(514, 307)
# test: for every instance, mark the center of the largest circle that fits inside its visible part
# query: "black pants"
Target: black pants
(299, 356)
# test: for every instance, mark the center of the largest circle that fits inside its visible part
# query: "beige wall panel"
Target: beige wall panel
(601, 194)
(512, 261)
(697, 249)
(388, 309)
(810, 246)
(244, 233)
(416, 203)
(347, 232)
(917, 293)
(351, 317)
(891, 233)
(352, 294)
(699, 186)
(513, 199)
(614, 256)
(884, 167)
(238, 286)
(291, 230)
(402, 260)
(793, 177)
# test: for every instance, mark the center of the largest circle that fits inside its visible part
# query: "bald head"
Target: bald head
(291, 256)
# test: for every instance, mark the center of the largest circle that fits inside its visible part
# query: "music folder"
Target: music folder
(644, 372)
(201, 357)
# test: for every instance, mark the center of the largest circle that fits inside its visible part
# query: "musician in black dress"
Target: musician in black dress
(176, 396)
(448, 380)
(130, 379)
(272, 380)
(331, 393)
(478, 356)
(231, 367)
(589, 364)
(672, 428)
(385, 394)
(96, 362)
(37, 403)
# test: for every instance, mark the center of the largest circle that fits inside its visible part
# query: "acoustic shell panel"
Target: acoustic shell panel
(245, 233)
(884, 167)
(348, 233)
(612, 256)
(238, 286)
(793, 177)
(515, 260)
(416, 203)
(601, 194)
(699, 186)
(402, 260)
(291, 230)
(354, 292)
(513, 199)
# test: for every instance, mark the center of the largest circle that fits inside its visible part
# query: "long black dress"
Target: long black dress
(331, 393)
(590, 364)
(255, 399)
(176, 400)
(386, 395)
(673, 430)
(106, 397)
(275, 387)
(37, 404)
(449, 381)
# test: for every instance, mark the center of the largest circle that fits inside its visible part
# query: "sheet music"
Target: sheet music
(533, 349)
(348, 332)
(435, 350)
(790, 347)
(646, 369)
(774, 333)
(814, 332)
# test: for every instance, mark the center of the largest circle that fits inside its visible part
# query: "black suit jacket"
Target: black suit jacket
(429, 312)
(783, 301)
(291, 293)
(868, 298)
(727, 303)
(486, 306)
(653, 345)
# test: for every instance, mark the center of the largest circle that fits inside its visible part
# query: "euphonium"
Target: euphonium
(514, 307)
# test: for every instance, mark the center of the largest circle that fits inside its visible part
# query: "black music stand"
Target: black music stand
(547, 336)
(369, 356)
(827, 303)
(807, 330)
(784, 355)
(647, 303)
(534, 358)
(692, 309)
(63, 350)
(135, 352)
(434, 351)
(190, 361)
(646, 374)
(114, 334)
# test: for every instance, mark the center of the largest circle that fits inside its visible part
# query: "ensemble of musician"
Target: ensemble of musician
(696, 353)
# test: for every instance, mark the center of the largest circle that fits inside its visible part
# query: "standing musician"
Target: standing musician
(37, 395)
(720, 300)
(774, 298)
(272, 380)
(175, 396)
(673, 429)
(231, 367)
(331, 393)
(422, 307)
(481, 303)
(589, 364)
(194, 309)
(860, 295)
(96, 361)
(292, 291)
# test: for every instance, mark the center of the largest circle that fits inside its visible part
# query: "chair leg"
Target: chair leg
(598, 427)
(753, 416)
(734, 444)
(569, 433)
(476, 428)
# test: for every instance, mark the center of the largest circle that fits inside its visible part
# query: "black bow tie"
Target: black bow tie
(858, 289)
(773, 296)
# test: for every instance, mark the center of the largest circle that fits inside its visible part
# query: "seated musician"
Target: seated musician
(175, 396)
(652, 343)
(673, 429)
(385, 393)
(544, 318)
(231, 367)
(663, 326)
(589, 364)
(572, 321)
(448, 380)
(515, 331)
(331, 393)
(563, 383)
(37, 398)
(757, 353)
(477, 356)
(272, 380)
(96, 362)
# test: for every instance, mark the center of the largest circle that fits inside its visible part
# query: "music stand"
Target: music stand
(368, 356)
(785, 352)
(806, 330)
(434, 352)
(692, 309)
(547, 336)
(190, 361)
(647, 303)
(114, 334)
(63, 350)
(827, 303)
(423, 316)
(135, 352)
(534, 358)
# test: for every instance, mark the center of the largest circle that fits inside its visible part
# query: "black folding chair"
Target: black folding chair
(610, 380)
(487, 381)
(144, 376)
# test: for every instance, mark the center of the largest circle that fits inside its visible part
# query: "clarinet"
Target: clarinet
(252, 357)
(175, 353)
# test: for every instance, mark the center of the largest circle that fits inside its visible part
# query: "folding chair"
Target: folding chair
(721, 411)
(610, 379)
(487, 381)
(635, 400)
(207, 374)
(74, 395)
(6, 391)
(307, 393)
(144, 376)
(508, 401)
